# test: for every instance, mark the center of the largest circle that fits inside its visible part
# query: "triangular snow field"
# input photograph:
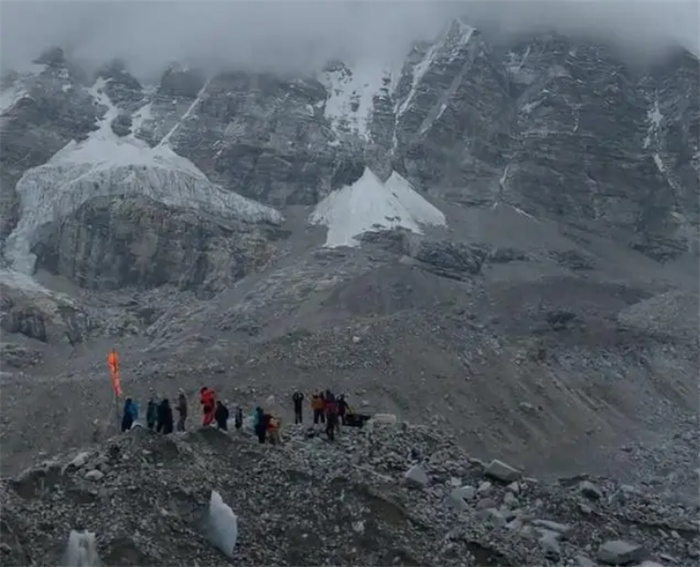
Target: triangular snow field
(368, 204)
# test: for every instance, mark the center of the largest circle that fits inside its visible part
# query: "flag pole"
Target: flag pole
(116, 411)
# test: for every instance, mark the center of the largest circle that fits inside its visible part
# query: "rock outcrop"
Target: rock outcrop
(38, 314)
(109, 244)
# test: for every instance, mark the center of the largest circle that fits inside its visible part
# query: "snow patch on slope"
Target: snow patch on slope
(450, 46)
(417, 74)
(368, 204)
(654, 117)
(351, 93)
(188, 113)
(107, 165)
(140, 117)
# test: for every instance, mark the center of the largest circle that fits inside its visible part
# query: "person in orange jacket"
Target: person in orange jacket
(208, 401)
(317, 406)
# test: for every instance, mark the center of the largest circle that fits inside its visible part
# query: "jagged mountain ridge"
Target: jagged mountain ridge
(540, 127)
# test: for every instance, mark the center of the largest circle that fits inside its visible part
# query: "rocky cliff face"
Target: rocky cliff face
(556, 127)
(114, 243)
(41, 113)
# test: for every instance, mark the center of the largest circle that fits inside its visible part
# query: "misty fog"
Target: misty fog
(298, 35)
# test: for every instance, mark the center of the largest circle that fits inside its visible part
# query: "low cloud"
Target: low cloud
(294, 35)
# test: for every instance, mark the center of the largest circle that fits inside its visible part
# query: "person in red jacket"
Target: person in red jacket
(208, 401)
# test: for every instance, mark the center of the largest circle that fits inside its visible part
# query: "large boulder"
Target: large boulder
(39, 314)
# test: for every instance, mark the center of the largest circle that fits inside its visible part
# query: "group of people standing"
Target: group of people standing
(159, 415)
(326, 409)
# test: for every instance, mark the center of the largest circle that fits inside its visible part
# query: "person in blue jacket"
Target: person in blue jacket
(130, 414)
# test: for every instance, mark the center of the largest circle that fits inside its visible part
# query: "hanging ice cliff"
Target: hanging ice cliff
(107, 165)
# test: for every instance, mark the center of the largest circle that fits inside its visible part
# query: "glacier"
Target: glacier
(105, 165)
(368, 204)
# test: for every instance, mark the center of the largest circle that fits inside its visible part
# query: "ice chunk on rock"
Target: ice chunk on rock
(222, 525)
(416, 476)
(501, 471)
(619, 552)
(80, 460)
(81, 550)
(460, 496)
(549, 542)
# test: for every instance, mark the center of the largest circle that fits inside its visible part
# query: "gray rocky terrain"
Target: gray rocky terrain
(551, 321)
(384, 495)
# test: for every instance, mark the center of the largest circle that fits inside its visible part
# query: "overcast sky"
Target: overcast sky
(294, 34)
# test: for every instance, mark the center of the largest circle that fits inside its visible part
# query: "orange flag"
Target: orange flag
(113, 363)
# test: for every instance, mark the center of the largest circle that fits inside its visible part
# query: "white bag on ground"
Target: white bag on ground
(222, 524)
(81, 550)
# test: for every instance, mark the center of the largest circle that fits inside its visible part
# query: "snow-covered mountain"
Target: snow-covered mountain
(550, 125)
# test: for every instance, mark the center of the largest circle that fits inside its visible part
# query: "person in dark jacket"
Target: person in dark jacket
(259, 424)
(342, 408)
(151, 413)
(165, 417)
(238, 418)
(181, 408)
(221, 416)
(298, 399)
(129, 415)
(331, 415)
